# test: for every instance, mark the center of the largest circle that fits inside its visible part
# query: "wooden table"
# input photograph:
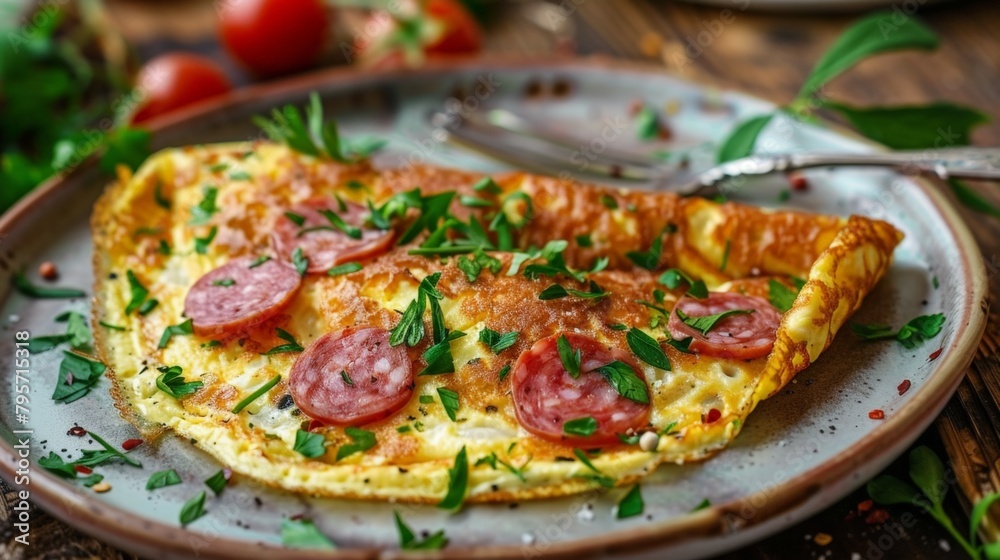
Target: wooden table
(768, 55)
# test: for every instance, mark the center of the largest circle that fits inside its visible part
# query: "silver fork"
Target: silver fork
(511, 138)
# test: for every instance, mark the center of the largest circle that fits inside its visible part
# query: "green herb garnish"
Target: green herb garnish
(449, 399)
(458, 482)
(913, 333)
(256, 394)
(622, 377)
(291, 346)
(631, 504)
(193, 509)
(584, 427)
(363, 440)
(407, 540)
(570, 358)
(185, 328)
(309, 445)
(498, 342)
(171, 381)
(25, 287)
(647, 349)
(709, 322)
(161, 479)
(303, 534)
(345, 268)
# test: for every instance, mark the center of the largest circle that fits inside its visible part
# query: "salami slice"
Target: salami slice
(546, 397)
(238, 295)
(352, 377)
(326, 248)
(741, 337)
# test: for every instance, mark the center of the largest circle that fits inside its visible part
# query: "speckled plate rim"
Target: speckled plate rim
(793, 499)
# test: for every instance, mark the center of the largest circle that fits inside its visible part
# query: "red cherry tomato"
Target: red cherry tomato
(175, 80)
(272, 37)
(442, 27)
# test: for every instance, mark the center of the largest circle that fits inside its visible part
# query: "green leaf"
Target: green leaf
(647, 349)
(650, 260)
(503, 372)
(479, 261)
(877, 33)
(259, 261)
(111, 327)
(458, 482)
(91, 480)
(704, 504)
(782, 297)
(969, 197)
(201, 243)
(205, 209)
(263, 389)
(339, 223)
(487, 185)
(240, 176)
(555, 291)
(57, 466)
(498, 342)
(631, 504)
(597, 476)
(438, 357)
(622, 377)
(674, 277)
(185, 328)
(217, 482)
(725, 256)
(139, 293)
(741, 140)
(225, 282)
(309, 445)
(161, 200)
(927, 471)
(571, 359)
(407, 540)
(40, 344)
(300, 261)
(297, 219)
(125, 146)
(708, 322)
(148, 306)
(609, 202)
(345, 268)
(25, 287)
(888, 490)
(647, 124)
(171, 381)
(94, 458)
(193, 509)
(920, 329)
(292, 346)
(303, 534)
(161, 479)
(449, 399)
(979, 513)
(913, 127)
(584, 427)
(584, 240)
(77, 375)
(363, 440)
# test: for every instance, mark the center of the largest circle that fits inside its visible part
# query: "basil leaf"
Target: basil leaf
(876, 33)
(363, 440)
(187, 327)
(193, 509)
(496, 341)
(407, 540)
(780, 296)
(622, 377)
(458, 482)
(631, 504)
(217, 482)
(171, 381)
(741, 140)
(25, 287)
(161, 479)
(647, 349)
(914, 127)
(309, 445)
(927, 471)
(345, 268)
(571, 359)
(256, 394)
(682, 345)
(584, 427)
(674, 277)
(449, 399)
(303, 534)
(708, 322)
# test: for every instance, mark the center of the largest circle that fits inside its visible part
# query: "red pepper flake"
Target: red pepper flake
(76, 431)
(227, 473)
(130, 444)
(297, 516)
(934, 355)
(904, 386)
(798, 182)
(877, 517)
(877, 414)
(866, 506)
(713, 415)
(82, 469)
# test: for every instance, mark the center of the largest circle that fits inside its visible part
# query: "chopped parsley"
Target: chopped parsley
(164, 248)
(201, 243)
(297, 219)
(161, 479)
(303, 534)
(503, 372)
(479, 261)
(148, 306)
(347, 378)
(185, 328)
(256, 394)
(584, 240)
(709, 322)
(408, 541)
(555, 291)
(193, 509)
(205, 209)
(352, 231)
(225, 282)
(631, 504)
(309, 445)
(458, 482)
(110, 326)
(259, 261)
(571, 359)
(782, 297)
(912, 334)
(492, 460)
(609, 202)
(171, 381)
(77, 375)
(498, 342)
(410, 329)
(594, 474)
(300, 261)
(647, 349)
(650, 260)
(449, 399)
(674, 277)
(584, 427)
(345, 268)
(362, 440)
(622, 377)
(291, 345)
(139, 293)
(725, 256)
(438, 357)
(239, 176)
(217, 482)
(487, 185)
(161, 200)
